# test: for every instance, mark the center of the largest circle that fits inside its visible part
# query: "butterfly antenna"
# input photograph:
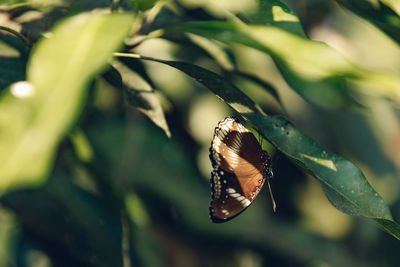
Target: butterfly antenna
(272, 197)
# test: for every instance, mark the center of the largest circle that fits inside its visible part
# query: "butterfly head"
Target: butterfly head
(267, 169)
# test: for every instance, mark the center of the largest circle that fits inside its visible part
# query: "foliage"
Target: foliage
(88, 178)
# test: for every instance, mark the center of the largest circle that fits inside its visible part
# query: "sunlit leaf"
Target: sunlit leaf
(319, 73)
(221, 9)
(274, 12)
(216, 51)
(82, 147)
(35, 115)
(384, 14)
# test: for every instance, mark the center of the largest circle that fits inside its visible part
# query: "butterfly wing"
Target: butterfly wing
(227, 196)
(238, 163)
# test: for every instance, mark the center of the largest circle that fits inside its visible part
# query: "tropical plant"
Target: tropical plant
(107, 110)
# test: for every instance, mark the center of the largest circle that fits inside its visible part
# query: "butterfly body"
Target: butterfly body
(240, 168)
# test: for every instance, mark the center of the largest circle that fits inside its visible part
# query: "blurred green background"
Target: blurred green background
(121, 193)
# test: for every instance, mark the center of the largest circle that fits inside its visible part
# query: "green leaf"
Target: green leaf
(37, 114)
(390, 226)
(143, 4)
(267, 86)
(274, 12)
(83, 149)
(143, 98)
(221, 56)
(383, 14)
(344, 184)
(319, 73)
(214, 50)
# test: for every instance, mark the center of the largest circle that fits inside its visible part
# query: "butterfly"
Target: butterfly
(240, 168)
